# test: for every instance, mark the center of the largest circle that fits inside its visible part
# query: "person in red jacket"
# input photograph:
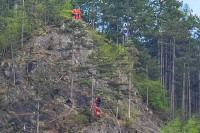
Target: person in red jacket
(95, 109)
(98, 101)
(78, 13)
(74, 13)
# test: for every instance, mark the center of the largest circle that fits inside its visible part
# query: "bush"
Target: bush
(177, 126)
(192, 126)
(84, 81)
(88, 114)
(173, 126)
(157, 93)
(80, 118)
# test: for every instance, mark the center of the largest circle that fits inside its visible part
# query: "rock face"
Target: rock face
(48, 84)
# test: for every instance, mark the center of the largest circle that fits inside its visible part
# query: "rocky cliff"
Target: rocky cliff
(47, 88)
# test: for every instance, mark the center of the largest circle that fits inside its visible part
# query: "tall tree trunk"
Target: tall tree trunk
(199, 91)
(117, 112)
(189, 93)
(189, 87)
(45, 17)
(183, 95)
(38, 117)
(117, 35)
(199, 78)
(129, 97)
(170, 72)
(159, 56)
(13, 69)
(147, 71)
(92, 89)
(123, 39)
(161, 64)
(22, 35)
(173, 82)
(166, 68)
(94, 15)
(73, 62)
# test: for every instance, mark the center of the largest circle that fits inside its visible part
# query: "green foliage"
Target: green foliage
(36, 15)
(109, 57)
(173, 126)
(123, 114)
(84, 81)
(192, 126)
(66, 11)
(157, 93)
(10, 33)
(75, 24)
(82, 68)
(177, 126)
(80, 118)
(128, 122)
(115, 85)
(87, 115)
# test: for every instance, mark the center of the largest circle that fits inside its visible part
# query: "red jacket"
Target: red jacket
(94, 106)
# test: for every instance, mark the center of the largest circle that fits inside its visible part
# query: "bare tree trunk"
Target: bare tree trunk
(14, 75)
(117, 35)
(161, 64)
(72, 76)
(38, 117)
(199, 79)
(183, 95)
(123, 39)
(93, 22)
(117, 112)
(159, 56)
(189, 87)
(173, 83)
(147, 88)
(92, 89)
(72, 86)
(199, 90)
(129, 100)
(166, 68)
(186, 97)
(128, 30)
(45, 19)
(22, 35)
(170, 73)
(190, 102)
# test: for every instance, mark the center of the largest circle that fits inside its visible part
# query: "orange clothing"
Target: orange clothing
(73, 11)
(77, 13)
(96, 111)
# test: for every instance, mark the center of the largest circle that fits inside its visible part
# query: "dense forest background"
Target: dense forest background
(166, 57)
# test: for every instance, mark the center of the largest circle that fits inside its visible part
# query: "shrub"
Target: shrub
(157, 93)
(173, 126)
(192, 126)
(177, 126)
(84, 81)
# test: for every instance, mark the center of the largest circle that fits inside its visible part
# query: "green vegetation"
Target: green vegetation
(177, 126)
(157, 93)
(66, 11)
(158, 51)
(84, 81)
(123, 114)
(37, 14)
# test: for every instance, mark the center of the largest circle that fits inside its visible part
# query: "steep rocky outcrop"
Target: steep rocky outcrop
(40, 78)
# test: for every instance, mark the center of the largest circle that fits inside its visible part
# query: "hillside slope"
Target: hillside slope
(51, 68)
